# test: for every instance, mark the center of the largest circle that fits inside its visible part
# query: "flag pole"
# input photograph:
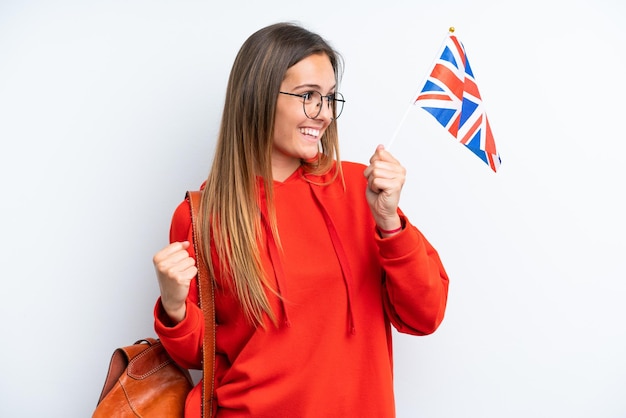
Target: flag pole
(408, 109)
(395, 134)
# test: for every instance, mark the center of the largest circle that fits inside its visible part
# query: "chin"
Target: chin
(312, 159)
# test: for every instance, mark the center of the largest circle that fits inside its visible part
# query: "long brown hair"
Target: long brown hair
(230, 209)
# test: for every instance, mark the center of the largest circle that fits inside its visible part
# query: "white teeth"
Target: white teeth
(310, 131)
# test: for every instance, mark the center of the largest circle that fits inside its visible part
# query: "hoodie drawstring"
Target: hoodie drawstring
(279, 274)
(341, 256)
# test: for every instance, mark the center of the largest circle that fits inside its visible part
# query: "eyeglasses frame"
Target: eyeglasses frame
(327, 97)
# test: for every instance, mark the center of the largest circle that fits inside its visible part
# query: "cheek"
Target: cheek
(281, 131)
(285, 125)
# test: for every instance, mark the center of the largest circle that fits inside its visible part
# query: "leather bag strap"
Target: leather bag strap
(207, 304)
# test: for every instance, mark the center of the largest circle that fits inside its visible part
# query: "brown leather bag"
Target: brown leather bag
(143, 381)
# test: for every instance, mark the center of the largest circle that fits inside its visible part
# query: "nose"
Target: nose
(326, 112)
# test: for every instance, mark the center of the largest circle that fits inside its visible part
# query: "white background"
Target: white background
(108, 114)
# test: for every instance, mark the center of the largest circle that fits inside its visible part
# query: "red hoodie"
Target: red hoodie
(342, 287)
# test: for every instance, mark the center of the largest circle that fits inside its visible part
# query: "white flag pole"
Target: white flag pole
(395, 134)
(408, 109)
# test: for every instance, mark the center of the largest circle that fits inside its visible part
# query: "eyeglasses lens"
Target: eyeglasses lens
(313, 104)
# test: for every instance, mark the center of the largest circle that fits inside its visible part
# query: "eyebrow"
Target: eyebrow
(313, 86)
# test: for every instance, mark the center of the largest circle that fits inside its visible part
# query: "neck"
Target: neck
(282, 173)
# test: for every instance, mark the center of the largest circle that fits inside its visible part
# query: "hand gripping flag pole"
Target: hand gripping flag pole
(451, 96)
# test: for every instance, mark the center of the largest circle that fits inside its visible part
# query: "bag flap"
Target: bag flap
(148, 361)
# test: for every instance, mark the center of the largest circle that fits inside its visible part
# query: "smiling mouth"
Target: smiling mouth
(310, 132)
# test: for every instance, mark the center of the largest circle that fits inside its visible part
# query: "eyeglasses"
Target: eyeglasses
(312, 103)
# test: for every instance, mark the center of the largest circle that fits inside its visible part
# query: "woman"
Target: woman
(311, 258)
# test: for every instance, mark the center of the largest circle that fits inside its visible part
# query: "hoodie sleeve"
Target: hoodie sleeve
(183, 341)
(415, 288)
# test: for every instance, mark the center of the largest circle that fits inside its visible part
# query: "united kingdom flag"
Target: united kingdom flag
(450, 94)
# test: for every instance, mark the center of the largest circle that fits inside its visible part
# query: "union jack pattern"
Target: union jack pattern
(451, 95)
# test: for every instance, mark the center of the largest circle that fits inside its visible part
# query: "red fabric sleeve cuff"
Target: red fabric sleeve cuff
(163, 324)
(400, 244)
